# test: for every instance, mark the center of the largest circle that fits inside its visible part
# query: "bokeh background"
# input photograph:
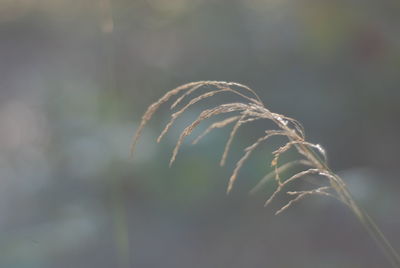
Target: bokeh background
(76, 76)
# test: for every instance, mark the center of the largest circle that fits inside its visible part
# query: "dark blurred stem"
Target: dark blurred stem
(121, 233)
(121, 230)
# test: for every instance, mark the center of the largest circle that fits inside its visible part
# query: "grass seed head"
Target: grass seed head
(249, 110)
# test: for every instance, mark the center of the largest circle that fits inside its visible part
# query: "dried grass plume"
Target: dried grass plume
(311, 156)
(240, 113)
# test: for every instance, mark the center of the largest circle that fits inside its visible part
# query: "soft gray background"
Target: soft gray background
(75, 77)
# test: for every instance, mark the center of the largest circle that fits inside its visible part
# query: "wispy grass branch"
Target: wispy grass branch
(252, 108)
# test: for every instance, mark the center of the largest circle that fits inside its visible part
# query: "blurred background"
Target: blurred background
(76, 76)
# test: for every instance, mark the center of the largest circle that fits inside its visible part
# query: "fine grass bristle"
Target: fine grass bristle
(230, 140)
(250, 109)
(219, 124)
(302, 194)
(248, 151)
(281, 169)
(224, 108)
(174, 116)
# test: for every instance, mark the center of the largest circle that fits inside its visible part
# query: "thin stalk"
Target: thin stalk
(375, 233)
(368, 223)
(345, 196)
